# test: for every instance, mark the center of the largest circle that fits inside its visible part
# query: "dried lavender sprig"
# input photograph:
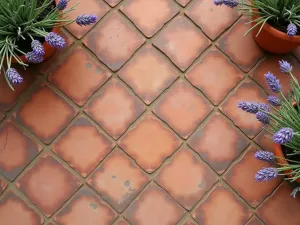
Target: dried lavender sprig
(37, 48)
(33, 58)
(250, 107)
(54, 40)
(264, 156)
(273, 83)
(218, 2)
(13, 76)
(230, 3)
(266, 174)
(84, 20)
(285, 66)
(274, 100)
(62, 4)
(261, 116)
(291, 30)
(283, 136)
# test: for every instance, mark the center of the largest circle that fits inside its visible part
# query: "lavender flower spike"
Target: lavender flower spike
(230, 3)
(264, 156)
(273, 83)
(54, 40)
(13, 76)
(283, 136)
(33, 58)
(295, 191)
(261, 116)
(62, 4)
(274, 100)
(84, 20)
(37, 48)
(285, 66)
(218, 2)
(250, 107)
(266, 174)
(291, 30)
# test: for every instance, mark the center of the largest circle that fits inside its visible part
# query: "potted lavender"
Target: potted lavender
(281, 118)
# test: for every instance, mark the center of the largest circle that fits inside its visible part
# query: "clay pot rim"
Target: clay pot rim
(279, 34)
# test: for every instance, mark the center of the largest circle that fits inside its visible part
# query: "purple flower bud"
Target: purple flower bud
(250, 107)
(285, 66)
(264, 156)
(230, 3)
(62, 4)
(273, 83)
(291, 30)
(274, 100)
(13, 76)
(261, 116)
(33, 58)
(218, 2)
(54, 40)
(283, 136)
(84, 20)
(37, 48)
(266, 174)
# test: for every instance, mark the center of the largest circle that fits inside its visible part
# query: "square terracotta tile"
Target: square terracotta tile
(48, 184)
(154, 206)
(79, 82)
(122, 222)
(242, 50)
(183, 2)
(211, 19)
(186, 178)
(189, 222)
(83, 146)
(254, 221)
(115, 108)
(215, 76)
(2, 116)
(45, 114)
(149, 16)
(173, 42)
(114, 41)
(241, 177)
(247, 91)
(148, 74)
(95, 7)
(15, 155)
(281, 208)
(118, 180)
(222, 207)
(265, 141)
(113, 3)
(13, 210)
(85, 208)
(182, 101)
(218, 142)
(3, 185)
(149, 143)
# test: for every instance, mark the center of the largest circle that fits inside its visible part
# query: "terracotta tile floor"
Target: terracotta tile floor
(135, 123)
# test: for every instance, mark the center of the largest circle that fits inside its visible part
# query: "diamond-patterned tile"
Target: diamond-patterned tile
(95, 7)
(181, 102)
(149, 16)
(2, 116)
(154, 206)
(198, 178)
(241, 178)
(241, 49)
(46, 114)
(222, 207)
(183, 2)
(149, 143)
(79, 82)
(173, 42)
(83, 146)
(13, 211)
(248, 91)
(48, 184)
(281, 208)
(265, 140)
(85, 208)
(115, 108)
(122, 222)
(113, 3)
(215, 76)
(254, 221)
(218, 142)
(296, 52)
(114, 41)
(148, 74)
(189, 222)
(3, 185)
(211, 19)
(118, 180)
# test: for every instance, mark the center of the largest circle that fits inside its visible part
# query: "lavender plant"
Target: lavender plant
(24, 22)
(284, 15)
(281, 118)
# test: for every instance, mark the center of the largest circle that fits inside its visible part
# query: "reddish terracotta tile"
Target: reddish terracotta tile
(148, 74)
(248, 91)
(15, 155)
(118, 180)
(149, 16)
(241, 49)
(114, 41)
(95, 7)
(46, 114)
(181, 102)
(50, 223)
(296, 52)
(115, 108)
(79, 82)
(122, 222)
(86, 208)
(48, 184)
(211, 19)
(198, 178)
(189, 222)
(147, 135)
(183, 2)
(83, 146)
(2, 116)
(172, 41)
(113, 3)
(271, 64)
(281, 208)
(221, 207)
(241, 178)
(254, 221)
(3, 186)
(265, 140)
(154, 206)
(215, 76)
(218, 143)
(13, 210)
